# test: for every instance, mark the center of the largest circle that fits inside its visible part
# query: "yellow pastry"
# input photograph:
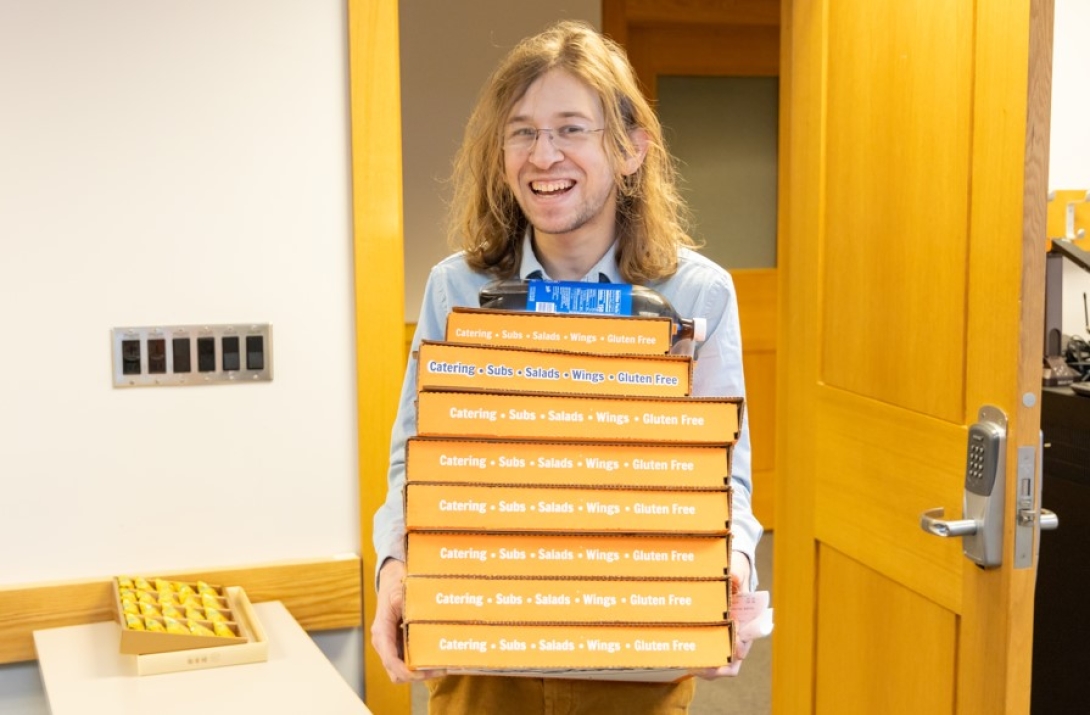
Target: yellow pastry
(197, 629)
(223, 630)
(214, 614)
(176, 626)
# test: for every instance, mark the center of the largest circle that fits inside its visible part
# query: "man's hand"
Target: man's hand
(386, 630)
(739, 583)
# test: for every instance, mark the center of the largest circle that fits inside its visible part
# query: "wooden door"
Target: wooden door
(912, 221)
(710, 38)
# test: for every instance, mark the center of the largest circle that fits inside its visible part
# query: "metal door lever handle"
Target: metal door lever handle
(932, 522)
(1048, 519)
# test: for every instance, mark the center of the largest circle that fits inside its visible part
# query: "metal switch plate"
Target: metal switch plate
(192, 354)
(1025, 530)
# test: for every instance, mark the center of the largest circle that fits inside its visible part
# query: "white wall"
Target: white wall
(1069, 159)
(173, 163)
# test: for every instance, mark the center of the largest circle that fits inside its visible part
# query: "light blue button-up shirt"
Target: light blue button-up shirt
(699, 289)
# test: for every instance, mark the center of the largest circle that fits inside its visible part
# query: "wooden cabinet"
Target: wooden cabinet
(1061, 617)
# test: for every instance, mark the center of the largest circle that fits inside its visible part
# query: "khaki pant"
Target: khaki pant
(495, 695)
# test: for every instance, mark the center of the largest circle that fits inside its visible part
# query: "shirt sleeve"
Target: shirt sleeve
(389, 520)
(718, 373)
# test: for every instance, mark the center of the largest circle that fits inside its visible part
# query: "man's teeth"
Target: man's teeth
(550, 187)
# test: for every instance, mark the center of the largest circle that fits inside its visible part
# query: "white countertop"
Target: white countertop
(84, 674)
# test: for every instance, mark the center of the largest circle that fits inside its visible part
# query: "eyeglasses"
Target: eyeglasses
(521, 140)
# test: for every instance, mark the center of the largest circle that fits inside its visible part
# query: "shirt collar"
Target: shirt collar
(606, 268)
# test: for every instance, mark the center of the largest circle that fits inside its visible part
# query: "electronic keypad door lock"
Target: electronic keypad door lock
(981, 526)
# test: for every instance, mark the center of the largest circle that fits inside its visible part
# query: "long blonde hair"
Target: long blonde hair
(486, 221)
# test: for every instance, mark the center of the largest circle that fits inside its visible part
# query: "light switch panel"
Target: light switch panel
(131, 351)
(229, 345)
(192, 354)
(255, 352)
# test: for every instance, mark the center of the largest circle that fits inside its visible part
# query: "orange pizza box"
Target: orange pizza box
(516, 415)
(507, 600)
(457, 366)
(636, 466)
(521, 647)
(597, 334)
(567, 555)
(466, 507)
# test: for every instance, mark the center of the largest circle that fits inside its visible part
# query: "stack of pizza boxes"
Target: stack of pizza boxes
(567, 501)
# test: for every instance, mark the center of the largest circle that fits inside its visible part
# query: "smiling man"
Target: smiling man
(562, 180)
(563, 175)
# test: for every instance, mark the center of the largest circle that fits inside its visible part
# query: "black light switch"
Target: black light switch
(182, 362)
(206, 354)
(130, 357)
(255, 352)
(231, 359)
(157, 356)
(161, 355)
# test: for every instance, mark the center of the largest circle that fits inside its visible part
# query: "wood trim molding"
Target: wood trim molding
(758, 313)
(701, 12)
(375, 98)
(615, 21)
(410, 333)
(322, 594)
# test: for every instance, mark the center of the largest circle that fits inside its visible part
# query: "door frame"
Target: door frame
(741, 39)
(378, 254)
